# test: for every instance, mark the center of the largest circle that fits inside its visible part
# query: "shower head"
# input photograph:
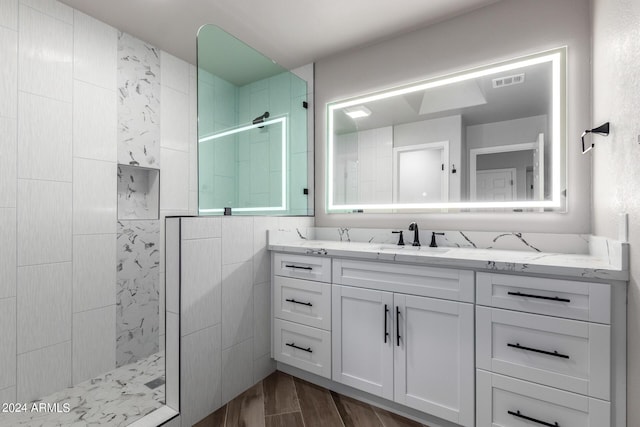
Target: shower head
(261, 118)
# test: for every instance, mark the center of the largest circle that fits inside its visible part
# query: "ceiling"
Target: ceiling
(291, 32)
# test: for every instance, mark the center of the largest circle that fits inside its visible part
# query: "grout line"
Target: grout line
(72, 362)
(17, 124)
(48, 14)
(295, 390)
(336, 407)
(42, 348)
(226, 413)
(377, 416)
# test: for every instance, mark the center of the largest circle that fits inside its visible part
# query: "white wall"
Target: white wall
(616, 181)
(508, 132)
(518, 131)
(500, 31)
(436, 130)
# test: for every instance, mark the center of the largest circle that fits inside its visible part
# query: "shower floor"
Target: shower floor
(116, 398)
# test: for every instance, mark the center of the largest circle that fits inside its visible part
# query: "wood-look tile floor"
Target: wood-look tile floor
(281, 400)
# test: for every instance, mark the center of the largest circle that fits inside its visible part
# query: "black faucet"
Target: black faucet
(416, 236)
(401, 241)
(433, 239)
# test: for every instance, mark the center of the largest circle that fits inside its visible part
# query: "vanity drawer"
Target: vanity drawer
(302, 267)
(418, 280)
(303, 347)
(302, 301)
(505, 402)
(562, 353)
(553, 297)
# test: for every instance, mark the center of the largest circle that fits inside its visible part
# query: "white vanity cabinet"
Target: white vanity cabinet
(414, 350)
(454, 346)
(543, 351)
(301, 303)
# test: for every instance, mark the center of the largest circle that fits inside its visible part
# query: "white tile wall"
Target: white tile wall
(94, 271)
(94, 122)
(7, 253)
(201, 389)
(174, 73)
(174, 180)
(95, 52)
(193, 129)
(201, 228)
(8, 155)
(263, 367)
(52, 8)
(237, 239)
(45, 51)
(44, 305)
(237, 303)
(8, 71)
(262, 257)
(200, 284)
(44, 138)
(172, 373)
(8, 394)
(44, 226)
(162, 304)
(94, 337)
(237, 370)
(242, 307)
(95, 201)
(42, 372)
(176, 422)
(261, 319)
(175, 119)
(9, 14)
(8, 347)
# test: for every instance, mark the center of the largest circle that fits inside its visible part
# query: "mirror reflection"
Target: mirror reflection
(490, 137)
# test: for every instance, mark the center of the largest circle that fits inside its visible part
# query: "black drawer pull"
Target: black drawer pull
(308, 350)
(524, 417)
(299, 267)
(386, 314)
(298, 302)
(398, 326)
(520, 294)
(550, 353)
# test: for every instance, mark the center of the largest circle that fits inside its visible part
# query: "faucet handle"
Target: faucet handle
(433, 239)
(401, 240)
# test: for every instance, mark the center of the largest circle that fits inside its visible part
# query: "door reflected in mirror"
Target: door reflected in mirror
(488, 138)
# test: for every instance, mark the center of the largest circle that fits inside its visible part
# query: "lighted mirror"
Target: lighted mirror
(252, 131)
(488, 138)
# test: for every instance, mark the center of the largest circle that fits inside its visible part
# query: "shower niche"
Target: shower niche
(138, 192)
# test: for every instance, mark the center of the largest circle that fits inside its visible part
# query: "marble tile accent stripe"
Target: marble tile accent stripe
(137, 294)
(138, 102)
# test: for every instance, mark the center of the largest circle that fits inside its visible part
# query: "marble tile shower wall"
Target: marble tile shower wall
(58, 220)
(137, 294)
(225, 308)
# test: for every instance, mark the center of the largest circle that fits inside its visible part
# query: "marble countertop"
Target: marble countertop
(592, 266)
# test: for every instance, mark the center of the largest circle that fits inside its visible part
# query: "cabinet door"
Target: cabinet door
(362, 347)
(434, 357)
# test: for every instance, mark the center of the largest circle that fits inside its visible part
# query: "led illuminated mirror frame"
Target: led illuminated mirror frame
(492, 137)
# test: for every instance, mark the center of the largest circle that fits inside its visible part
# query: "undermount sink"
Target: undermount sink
(409, 248)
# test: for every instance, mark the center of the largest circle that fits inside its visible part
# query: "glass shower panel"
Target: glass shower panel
(252, 131)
